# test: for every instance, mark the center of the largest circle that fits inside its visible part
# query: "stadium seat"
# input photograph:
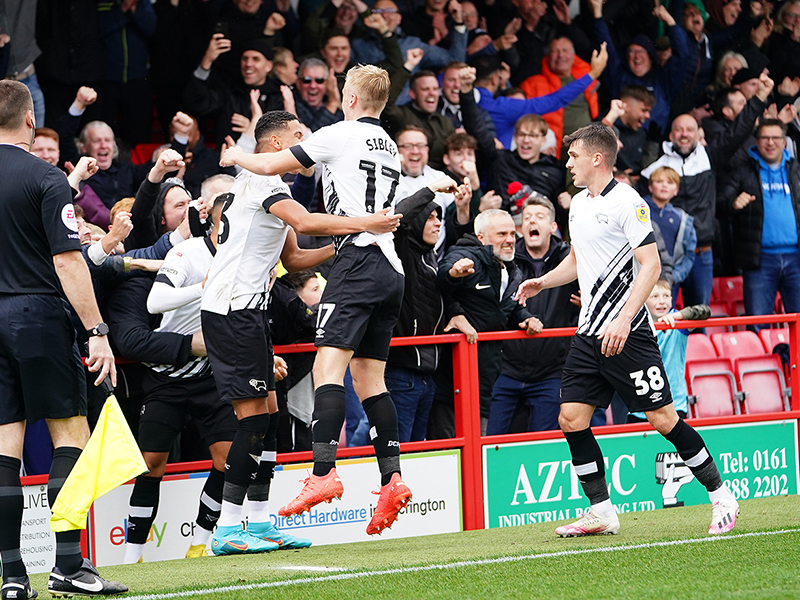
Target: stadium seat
(736, 344)
(718, 310)
(712, 388)
(772, 337)
(728, 289)
(699, 346)
(761, 380)
(142, 153)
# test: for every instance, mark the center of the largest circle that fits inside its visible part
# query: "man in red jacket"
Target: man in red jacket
(561, 67)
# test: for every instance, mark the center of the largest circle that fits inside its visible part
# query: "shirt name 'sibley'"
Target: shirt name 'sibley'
(381, 144)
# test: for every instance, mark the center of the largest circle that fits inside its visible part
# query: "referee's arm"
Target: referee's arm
(77, 285)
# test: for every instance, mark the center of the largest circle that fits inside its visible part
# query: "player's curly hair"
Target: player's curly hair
(596, 138)
(273, 121)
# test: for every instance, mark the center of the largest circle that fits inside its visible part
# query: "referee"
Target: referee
(41, 376)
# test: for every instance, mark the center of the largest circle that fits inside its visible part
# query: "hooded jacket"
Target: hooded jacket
(698, 190)
(538, 359)
(422, 311)
(748, 223)
(478, 294)
(665, 82)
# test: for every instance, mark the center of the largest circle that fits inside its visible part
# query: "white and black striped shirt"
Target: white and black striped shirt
(249, 245)
(604, 231)
(361, 173)
(176, 293)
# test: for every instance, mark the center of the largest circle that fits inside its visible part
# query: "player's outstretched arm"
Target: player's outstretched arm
(295, 258)
(563, 274)
(266, 163)
(305, 223)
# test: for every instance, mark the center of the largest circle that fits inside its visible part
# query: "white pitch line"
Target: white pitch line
(311, 568)
(445, 566)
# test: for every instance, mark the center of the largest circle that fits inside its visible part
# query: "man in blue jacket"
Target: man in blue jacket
(764, 197)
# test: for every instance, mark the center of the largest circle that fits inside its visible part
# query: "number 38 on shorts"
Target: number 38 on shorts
(652, 380)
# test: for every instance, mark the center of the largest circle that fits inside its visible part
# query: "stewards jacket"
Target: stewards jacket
(535, 359)
(478, 294)
(748, 222)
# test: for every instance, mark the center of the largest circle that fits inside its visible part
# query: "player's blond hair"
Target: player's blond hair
(371, 85)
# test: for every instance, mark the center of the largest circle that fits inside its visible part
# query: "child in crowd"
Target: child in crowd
(677, 227)
(672, 344)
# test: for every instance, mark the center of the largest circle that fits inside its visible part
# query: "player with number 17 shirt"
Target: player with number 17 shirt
(361, 303)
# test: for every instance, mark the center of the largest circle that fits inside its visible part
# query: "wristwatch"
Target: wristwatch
(99, 329)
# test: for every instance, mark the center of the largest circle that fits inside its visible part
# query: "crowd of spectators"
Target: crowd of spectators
(702, 94)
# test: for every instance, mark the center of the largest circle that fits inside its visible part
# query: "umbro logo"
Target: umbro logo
(655, 396)
(320, 332)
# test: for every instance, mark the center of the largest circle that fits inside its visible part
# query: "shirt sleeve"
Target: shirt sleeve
(325, 145)
(276, 192)
(174, 270)
(58, 213)
(634, 218)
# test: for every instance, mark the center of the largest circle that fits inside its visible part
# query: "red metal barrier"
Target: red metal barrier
(467, 397)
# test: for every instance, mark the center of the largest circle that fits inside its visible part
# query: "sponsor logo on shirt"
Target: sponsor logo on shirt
(642, 212)
(68, 217)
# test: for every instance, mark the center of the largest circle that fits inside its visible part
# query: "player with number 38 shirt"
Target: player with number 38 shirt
(615, 260)
(361, 303)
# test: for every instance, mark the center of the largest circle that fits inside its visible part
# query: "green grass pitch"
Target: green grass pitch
(660, 555)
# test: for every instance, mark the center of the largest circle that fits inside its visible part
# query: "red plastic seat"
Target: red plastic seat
(699, 346)
(728, 289)
(712, 388)
(738, 343)
(718, 310)
(142, 153)
(772, 337)
(761, 379)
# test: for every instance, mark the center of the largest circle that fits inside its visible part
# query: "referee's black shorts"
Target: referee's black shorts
(41, 373)
(240, 350)
(361, 303)
(637, 374)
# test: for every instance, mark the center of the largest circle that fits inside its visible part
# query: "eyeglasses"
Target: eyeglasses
(419, 146)
(793, 16)
(771, 138)
(308, 80)
(384, 11)
(523, 135)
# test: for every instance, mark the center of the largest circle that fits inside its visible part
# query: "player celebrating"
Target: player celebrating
(362, 300)
(615, 259)
(254, 227)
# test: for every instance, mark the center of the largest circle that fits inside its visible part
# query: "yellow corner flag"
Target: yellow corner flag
(110, 458)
